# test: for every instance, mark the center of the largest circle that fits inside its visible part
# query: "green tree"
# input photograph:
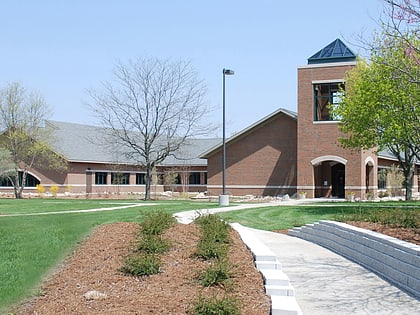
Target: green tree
(6, 164)
(24, 136)
(381, 107)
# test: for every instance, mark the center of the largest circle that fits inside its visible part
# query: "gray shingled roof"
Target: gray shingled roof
(84, 143)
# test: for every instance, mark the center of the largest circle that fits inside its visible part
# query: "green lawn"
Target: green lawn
(286, 217)
(30, 245)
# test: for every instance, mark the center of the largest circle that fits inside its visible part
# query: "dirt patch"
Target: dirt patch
(89, 282)
(411, 235)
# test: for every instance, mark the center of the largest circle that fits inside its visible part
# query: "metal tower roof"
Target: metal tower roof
(336, 51)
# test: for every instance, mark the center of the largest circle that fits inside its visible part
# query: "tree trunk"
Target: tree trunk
(148, 180)
(408, 181)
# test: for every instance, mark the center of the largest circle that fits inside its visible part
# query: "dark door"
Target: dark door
(338, 172)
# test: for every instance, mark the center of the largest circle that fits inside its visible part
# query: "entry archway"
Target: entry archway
(369, 176)
(329, 176)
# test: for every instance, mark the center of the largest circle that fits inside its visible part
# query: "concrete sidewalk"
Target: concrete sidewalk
(324, 282)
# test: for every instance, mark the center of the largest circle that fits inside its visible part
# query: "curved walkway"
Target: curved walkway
(326, 283)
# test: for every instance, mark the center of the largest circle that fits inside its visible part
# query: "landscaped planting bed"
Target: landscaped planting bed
(90, 281)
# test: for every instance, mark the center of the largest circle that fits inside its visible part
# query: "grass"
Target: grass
(286, 217)
(30, 246)
(35, 206)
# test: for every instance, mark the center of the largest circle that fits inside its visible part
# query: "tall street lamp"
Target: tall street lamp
(224, 198)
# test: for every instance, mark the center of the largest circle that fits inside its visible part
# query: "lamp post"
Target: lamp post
(224, 198)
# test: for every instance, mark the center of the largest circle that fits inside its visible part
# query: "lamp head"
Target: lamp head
(228, 72)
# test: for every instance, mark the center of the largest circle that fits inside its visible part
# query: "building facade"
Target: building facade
(283, 153)
(96, 168)
(260, 160)
(300, 153)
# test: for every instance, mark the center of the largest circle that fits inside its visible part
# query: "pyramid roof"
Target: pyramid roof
(336, 51)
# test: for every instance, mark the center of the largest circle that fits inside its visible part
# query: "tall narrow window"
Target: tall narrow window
(100, 178)
(140, 179)
(382, 178)
(194, 178)
(326, 95)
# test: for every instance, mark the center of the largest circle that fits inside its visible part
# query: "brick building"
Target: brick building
(290, 153)
(283, 153)
(95, 167)
(260, 160)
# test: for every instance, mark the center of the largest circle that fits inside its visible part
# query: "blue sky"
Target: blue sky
(62, 48)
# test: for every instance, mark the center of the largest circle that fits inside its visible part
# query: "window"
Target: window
(140, 179)
(326, 94)
(194, 178)
(382, 176)
(100, 178)
(31, 181)
(120, 178)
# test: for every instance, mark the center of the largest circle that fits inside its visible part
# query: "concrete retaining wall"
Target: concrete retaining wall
(394, 260)
(276, 282)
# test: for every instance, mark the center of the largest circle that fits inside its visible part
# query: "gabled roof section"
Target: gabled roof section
(336, 51)
(284, 111)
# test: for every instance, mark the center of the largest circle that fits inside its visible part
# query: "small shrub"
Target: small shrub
(214, 228)
(155, 223)
(215, 274)
(209, 249)
(411, 219)
(40, 189)
(153, 244)
(383, 194)
(54, 190)
(214, 305)
(141, 265)
(214, 237)
(406, 218)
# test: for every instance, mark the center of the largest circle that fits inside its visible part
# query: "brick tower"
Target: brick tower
(324, 169)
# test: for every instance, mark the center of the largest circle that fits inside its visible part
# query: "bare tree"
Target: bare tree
(403, 13)
(151, 109)
(23, 134)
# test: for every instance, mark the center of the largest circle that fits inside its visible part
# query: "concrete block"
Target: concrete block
(275, 277)
(284, 305)
(280, 290)
(260, 251)
(268, 264)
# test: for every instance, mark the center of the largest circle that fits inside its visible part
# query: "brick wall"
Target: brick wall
(261, 162)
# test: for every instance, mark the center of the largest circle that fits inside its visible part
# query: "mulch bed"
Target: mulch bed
(95, 264)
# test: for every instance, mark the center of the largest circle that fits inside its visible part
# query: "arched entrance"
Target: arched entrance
(329, 176)
(369, 177)
(338, 175)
